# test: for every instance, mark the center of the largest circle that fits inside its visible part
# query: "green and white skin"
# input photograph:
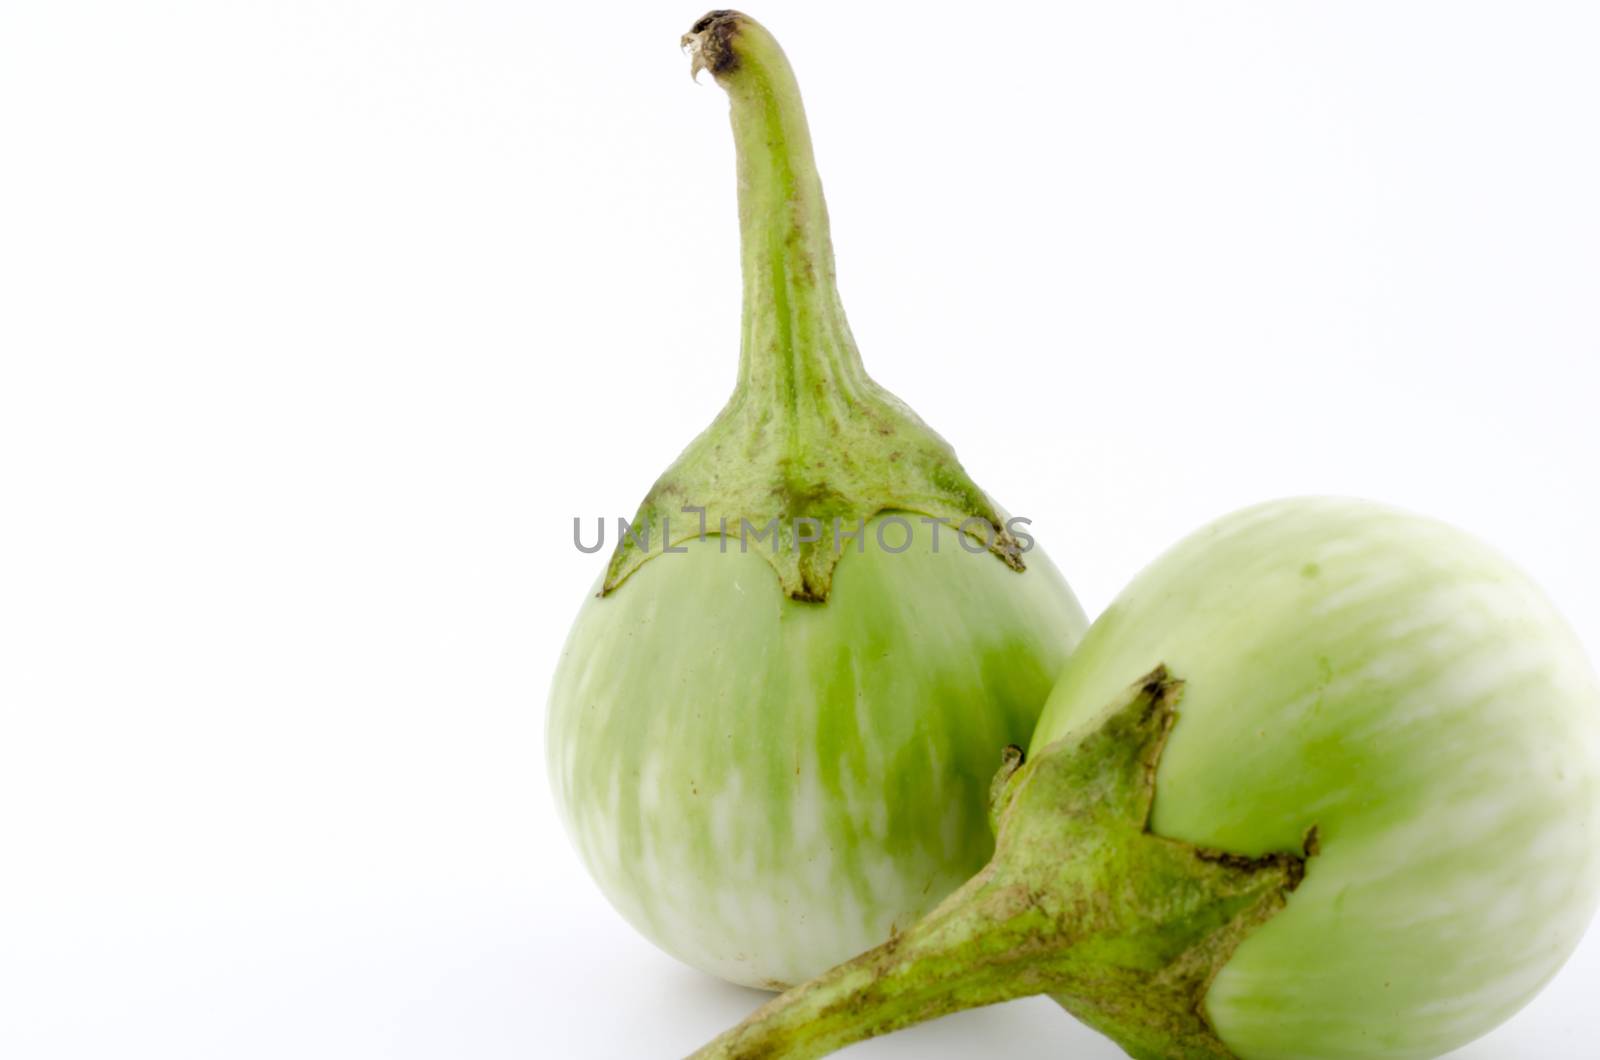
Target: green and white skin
(771, 760)
(1401, 688)
(1323, 782)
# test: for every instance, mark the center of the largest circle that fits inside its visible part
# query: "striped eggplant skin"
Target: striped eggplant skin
(764, 787)
(1398, 686)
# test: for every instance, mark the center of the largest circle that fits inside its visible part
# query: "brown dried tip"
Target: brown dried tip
(709, 43)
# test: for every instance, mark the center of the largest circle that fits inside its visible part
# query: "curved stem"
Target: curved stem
(795, 340)
(808, 448)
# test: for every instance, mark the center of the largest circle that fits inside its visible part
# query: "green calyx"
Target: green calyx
(1123, 928)
(808, 447)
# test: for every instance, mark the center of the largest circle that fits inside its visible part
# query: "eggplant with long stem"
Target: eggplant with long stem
(773, 725)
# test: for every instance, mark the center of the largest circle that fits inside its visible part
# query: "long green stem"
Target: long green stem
(795, 339)
(1124, 928)
(807, 437)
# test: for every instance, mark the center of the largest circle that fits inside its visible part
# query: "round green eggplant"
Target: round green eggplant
(764, 786)
(1401, 688)
(772, 748)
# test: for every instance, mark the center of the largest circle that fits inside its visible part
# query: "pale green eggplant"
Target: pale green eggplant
(773, 752)
(1323, 783)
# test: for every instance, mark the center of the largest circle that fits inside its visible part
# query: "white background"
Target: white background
(321, 320)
